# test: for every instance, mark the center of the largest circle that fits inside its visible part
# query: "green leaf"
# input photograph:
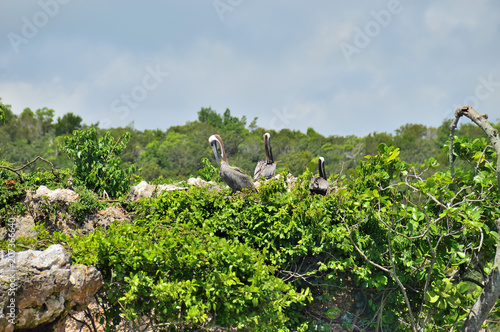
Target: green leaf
(463, 287)
(431, 297)
(394, 155)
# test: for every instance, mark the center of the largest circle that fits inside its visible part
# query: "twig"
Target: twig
(81, 322)
(474, 281)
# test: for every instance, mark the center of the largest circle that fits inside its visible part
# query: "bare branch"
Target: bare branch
(16, 170)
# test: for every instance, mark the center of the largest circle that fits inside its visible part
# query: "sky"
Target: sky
(342, 68)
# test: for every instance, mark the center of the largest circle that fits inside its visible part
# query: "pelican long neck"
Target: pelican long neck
(269, 152)
(321, 166)
(222, 151)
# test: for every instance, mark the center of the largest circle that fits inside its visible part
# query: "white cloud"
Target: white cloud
(54, 95)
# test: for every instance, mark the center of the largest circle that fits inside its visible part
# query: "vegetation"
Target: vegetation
(96, 162)
(177, 152)
(406, 243)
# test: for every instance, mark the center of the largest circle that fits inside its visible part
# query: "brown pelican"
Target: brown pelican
(233, 176)
(265, 168)
(319, 185)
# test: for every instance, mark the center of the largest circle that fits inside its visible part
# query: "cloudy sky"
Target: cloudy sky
(340, 67)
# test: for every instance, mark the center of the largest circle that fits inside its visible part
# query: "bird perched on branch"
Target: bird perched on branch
(233, 176)
(265, 168)
(320, 184)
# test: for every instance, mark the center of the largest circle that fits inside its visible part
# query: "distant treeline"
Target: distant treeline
(176, 152)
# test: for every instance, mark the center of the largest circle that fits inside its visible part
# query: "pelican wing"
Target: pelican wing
(319, 186)
(259, 169)
(264, 169)
(235, 178)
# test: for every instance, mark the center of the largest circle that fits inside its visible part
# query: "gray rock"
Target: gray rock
(103, 219)
(24, 226)
(143, 189)
(57, 195)
(168, 187)
(44, 203)
(198, 182)
(44, 288)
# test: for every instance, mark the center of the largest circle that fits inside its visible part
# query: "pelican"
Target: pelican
(265, 168)
(319, 185)
(233, 176)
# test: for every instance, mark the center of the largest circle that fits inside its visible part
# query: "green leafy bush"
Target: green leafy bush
(186, 277)
(97, 165)
(86, 204)
(209, 172)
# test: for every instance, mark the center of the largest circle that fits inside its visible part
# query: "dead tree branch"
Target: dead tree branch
(491, 290)
(17, 170)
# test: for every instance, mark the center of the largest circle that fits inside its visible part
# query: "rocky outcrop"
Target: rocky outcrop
(40, 288)
(51, 207)
(57, 195)
(104, 218)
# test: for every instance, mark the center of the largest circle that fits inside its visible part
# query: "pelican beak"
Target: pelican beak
(213, 144)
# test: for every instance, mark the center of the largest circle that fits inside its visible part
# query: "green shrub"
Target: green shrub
(209, 172)
(86, 204)
(186, 277)
(97, 165)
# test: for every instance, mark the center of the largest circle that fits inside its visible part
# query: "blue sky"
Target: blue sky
(340, 67)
